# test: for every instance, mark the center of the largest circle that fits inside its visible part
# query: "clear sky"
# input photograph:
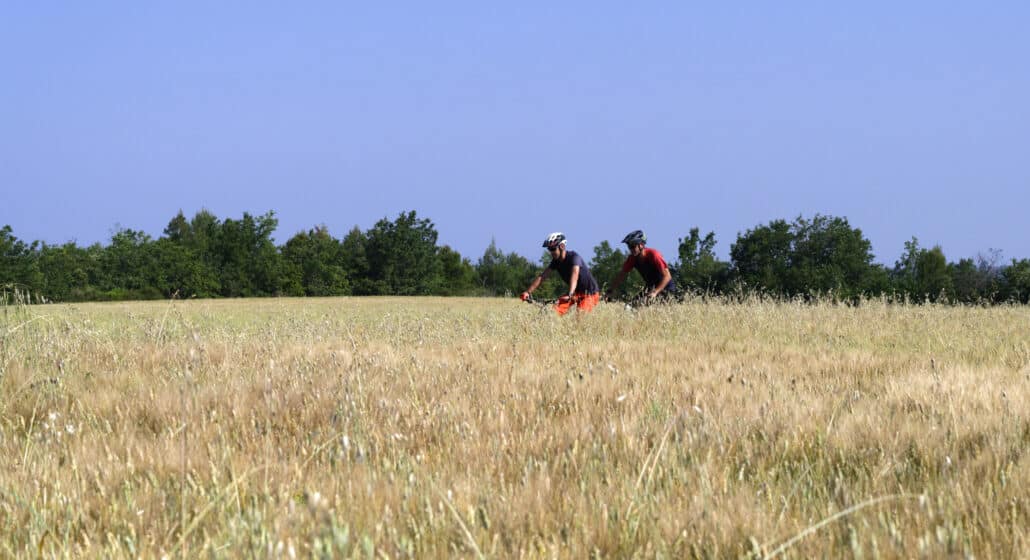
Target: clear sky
(509, 120)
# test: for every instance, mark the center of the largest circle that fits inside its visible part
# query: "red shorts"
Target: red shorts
(583, 302)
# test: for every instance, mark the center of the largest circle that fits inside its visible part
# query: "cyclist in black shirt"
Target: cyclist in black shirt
(583, 290)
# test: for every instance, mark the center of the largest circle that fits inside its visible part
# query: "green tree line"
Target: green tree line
(205, 256)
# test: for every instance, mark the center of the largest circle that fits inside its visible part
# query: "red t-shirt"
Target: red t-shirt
(650, 264)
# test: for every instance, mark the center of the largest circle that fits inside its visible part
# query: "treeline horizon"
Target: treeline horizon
(207, 257)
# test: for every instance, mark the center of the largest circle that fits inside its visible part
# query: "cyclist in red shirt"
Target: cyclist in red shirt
(583, 290)
(651, 266)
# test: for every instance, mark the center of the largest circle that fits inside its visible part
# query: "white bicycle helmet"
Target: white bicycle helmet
(555, 239)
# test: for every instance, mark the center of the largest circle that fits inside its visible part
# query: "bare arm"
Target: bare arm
(666, 278)
(538, 280)
(619, 279)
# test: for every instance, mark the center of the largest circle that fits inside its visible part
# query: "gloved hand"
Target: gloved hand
(524, 296)
(565, 299)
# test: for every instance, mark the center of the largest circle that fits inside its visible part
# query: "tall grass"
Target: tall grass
(483, 428)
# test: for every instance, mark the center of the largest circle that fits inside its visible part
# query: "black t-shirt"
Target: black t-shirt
(586, 284)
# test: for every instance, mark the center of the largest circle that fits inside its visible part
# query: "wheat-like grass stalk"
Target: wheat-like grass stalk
(783, 547)
(464, 528)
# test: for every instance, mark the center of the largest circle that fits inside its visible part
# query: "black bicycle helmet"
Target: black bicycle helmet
(635, 238)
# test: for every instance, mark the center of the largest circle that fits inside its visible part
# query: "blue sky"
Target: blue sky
(510, 121)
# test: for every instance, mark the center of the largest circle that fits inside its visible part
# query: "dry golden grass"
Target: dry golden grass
(467, 428)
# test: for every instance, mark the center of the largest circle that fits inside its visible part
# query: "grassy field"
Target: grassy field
(385, 427)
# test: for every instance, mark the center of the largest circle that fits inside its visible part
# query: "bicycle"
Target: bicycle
(641, 299)
(546, 304)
